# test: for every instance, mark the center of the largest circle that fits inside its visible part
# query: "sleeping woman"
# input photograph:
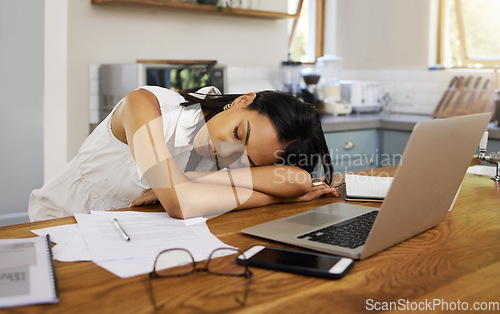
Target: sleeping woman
(197, 154)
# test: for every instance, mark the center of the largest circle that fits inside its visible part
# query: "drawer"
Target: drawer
(352, 142)
(353, 164)
(353, 150)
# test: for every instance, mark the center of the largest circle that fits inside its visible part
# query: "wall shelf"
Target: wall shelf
(195, 8)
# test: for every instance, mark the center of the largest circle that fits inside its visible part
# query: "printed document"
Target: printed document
(96, 238)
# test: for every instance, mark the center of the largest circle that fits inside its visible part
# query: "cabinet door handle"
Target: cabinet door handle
(349, 145)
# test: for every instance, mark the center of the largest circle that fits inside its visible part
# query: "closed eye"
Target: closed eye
(235, 133)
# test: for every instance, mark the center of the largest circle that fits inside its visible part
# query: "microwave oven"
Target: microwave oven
(116, 80)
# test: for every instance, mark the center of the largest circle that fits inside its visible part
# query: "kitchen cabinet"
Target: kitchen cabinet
(493, 146)
(366, 149)
(353, 150)
(379, 139)
(393, 144)
(196, 8)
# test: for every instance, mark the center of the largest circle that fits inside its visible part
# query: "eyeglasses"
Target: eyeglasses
(180, 262)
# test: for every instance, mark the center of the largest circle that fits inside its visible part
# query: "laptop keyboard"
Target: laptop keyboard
(350, 233)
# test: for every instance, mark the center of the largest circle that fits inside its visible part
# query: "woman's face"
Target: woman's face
(239, 135)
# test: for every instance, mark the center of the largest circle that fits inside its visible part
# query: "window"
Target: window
(306, 30)
(468, 35)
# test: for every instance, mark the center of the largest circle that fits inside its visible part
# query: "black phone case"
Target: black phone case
(296, 269)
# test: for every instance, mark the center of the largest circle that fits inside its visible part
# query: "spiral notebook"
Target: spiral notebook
(27, 274)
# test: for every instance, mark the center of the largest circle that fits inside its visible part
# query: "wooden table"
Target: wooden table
(457, 262)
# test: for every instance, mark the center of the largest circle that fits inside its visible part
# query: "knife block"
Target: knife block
(466, 96)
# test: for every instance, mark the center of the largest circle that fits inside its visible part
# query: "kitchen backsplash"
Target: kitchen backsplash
(410, 91)
(416, 91)
(251, 79)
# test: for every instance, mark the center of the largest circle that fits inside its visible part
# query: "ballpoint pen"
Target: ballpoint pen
(124, 234)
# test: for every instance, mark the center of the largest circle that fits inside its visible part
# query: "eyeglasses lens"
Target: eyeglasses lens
(174, 263)
(227, 261)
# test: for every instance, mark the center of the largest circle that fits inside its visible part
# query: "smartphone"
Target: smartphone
(299, 262)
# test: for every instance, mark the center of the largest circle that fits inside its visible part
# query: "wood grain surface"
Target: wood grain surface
(458, 260)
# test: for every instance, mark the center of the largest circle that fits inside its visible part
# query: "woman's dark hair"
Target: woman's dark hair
(298, 124)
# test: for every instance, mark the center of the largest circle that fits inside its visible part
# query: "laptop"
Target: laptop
(424, 187)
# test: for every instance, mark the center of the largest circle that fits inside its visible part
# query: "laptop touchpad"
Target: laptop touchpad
(313, 219)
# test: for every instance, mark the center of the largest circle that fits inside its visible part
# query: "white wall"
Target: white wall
(384, 34)
(55, 109)
(21, 105)
(109, 34)
(393, 42)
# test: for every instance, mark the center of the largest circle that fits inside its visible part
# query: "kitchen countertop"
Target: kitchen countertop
(387, 121)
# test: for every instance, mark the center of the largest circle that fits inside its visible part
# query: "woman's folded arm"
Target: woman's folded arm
(278, 180)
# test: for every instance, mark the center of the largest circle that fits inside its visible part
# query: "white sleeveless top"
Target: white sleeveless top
(104, 175)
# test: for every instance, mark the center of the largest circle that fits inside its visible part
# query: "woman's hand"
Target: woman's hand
(147, 197)
(317, 190)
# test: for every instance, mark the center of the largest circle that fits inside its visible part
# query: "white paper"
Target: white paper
(74, 250)
(58, 234)
(455, 198)
(367, 186)
(483, 170)
(70, 245)
(186, 222)
(150, 234)
(95, 238)
(128, 267)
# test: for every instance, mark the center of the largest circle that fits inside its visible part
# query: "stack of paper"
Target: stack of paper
(96, 238)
